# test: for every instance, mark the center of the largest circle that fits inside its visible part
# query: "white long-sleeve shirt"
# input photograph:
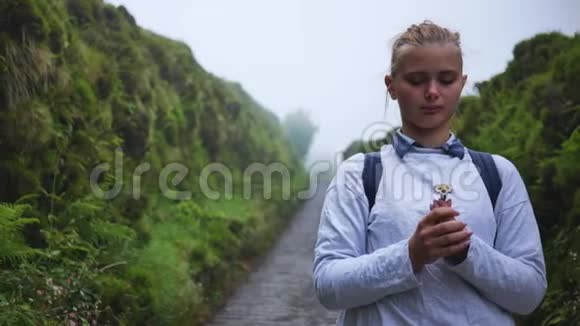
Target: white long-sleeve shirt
(362, 265)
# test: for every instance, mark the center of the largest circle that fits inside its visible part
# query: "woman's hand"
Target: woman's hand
(438, 235)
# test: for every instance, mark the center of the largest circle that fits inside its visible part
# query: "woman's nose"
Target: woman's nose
(432, 91)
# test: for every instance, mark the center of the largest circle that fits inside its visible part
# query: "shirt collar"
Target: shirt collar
(403, 144)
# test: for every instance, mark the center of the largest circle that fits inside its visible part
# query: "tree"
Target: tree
(300, 131)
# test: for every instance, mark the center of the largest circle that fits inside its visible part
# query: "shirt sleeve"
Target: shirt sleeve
(345, 276)
(513, 274)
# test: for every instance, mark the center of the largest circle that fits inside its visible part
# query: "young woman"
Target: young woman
(412, 259)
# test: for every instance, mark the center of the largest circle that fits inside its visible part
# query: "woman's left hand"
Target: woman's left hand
(459, 257)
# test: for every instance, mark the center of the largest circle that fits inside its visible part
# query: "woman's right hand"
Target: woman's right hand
(437, 235)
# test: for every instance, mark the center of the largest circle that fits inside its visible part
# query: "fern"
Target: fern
(112, 233)
(90, 218)
(12, 244)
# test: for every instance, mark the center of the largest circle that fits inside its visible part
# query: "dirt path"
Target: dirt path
(280, 291)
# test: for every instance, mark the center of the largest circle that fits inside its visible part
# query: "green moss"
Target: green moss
(21, 18)
(84, 94)
(100, 83)
(81, 11)
(567, 72)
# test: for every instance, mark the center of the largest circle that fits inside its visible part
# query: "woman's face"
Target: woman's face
(427, 85)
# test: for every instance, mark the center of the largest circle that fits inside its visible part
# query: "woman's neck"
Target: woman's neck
(427, 137)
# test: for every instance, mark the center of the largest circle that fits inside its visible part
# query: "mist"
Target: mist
(329, 57)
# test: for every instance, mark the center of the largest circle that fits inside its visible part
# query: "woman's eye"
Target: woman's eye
(415, 81)
(418, 80)
(447, 79)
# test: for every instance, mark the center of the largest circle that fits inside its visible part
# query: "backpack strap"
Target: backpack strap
(488, 172)
(490, 176)
(371, 176)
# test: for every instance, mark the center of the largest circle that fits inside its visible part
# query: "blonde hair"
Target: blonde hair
(426, 32)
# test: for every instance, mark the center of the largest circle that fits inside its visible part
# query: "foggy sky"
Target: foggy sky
(329, 57)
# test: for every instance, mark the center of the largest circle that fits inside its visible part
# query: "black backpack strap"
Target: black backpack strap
(371, 176)
(488, 171)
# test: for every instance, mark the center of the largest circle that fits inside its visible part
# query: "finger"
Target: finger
(450, 239)
(452, 249)
(444, 228)
(433, 205)
(439, 213)
(446, 220)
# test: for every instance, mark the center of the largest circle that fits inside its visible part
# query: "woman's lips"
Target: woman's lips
(431, 109)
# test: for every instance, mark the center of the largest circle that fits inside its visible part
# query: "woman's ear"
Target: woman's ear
(390, 87)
